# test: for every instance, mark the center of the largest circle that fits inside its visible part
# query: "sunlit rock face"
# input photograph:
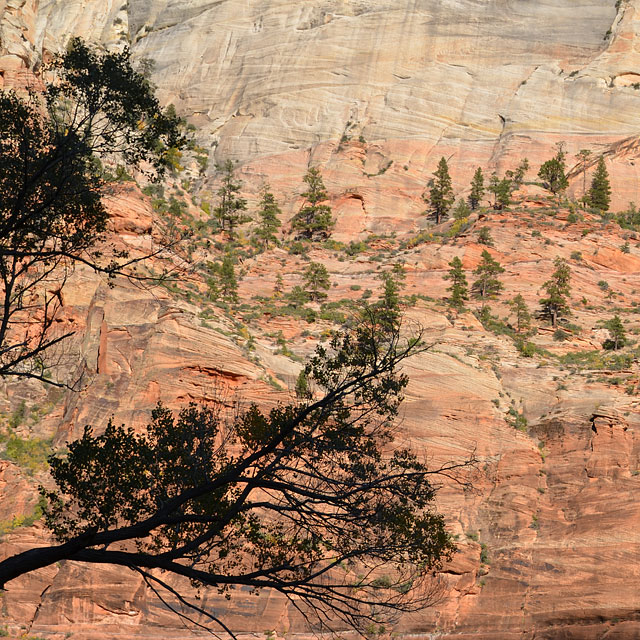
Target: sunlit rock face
(375, 92)
(482, 82)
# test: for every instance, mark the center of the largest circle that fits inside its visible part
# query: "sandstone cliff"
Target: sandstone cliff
(266, 82)
(375, 93)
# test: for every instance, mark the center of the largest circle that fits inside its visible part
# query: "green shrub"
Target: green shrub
(31, 455)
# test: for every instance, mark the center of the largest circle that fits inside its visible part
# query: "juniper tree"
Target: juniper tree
(487, 284)
(459, 289)
(268, 219)
(521, 311)
(618, 335)
(440, 192)
(600, 191)
(314, 220)
(556, 305)
(477, 189)
(231, 209)
(316, 281)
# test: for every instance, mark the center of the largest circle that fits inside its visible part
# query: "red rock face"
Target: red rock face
(548, 528)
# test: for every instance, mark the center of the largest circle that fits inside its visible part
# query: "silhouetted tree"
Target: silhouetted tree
(94, 109)
(311, 500)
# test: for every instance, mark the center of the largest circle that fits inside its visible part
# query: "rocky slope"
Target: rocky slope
(548, 538)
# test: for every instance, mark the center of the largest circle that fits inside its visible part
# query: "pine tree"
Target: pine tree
(616, 331)
(600, 192)
(477, 189)
(487, 284)
(501, 190)
(268, 219)
(303, 392)
(461, 210)
(552, 172)
(555, 305)
(517, 176)
(459, 290)
(230, 211)
(227, 280)
(389, 302)
(314, 220)
(316, 280)
(484, 236)
(440, 193)
(521, 311)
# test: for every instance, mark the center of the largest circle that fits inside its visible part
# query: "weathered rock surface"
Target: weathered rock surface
(485, 83)
(549, 538)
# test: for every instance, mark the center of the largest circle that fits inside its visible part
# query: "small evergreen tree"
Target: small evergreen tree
(521, 312)
(552, 172)
(501, 190)
(517, 177)
(231, 209)
(555, 305)
(316, 280)
(600, 192)
(268, 219)
(461, 210)
(477, 189)
(441, 193)
(388, 304)
(616, 331)
(314, 220)
(487, 284)
(459, 290)
(298, 297)
(484, 236)
(228, 282)
(303, 392)
(278, 286)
